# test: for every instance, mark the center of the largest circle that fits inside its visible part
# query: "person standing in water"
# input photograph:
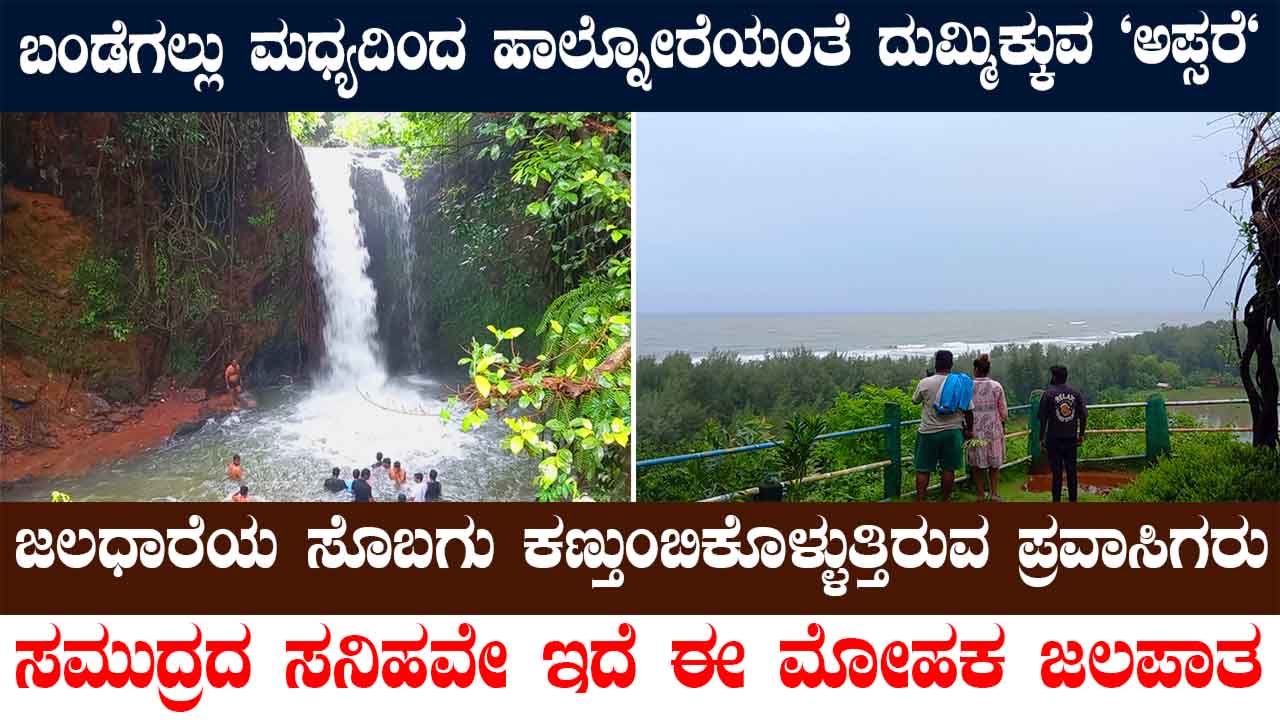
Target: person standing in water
(240, 496)
(235, 471)
(383, 471)
(334, 482)
(232, 376)
(361, 491)
(419, 489)
(433, 488)
(990, 413)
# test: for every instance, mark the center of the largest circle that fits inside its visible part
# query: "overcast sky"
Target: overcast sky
(915, 212)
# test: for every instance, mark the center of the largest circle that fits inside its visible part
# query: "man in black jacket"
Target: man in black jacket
(1063, 417)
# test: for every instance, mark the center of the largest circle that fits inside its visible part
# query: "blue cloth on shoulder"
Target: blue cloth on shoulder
(956, 394)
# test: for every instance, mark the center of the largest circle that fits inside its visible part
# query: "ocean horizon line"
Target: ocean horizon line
(768, 313)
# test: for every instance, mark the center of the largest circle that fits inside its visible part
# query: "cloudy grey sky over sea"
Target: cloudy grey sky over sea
(772, 212)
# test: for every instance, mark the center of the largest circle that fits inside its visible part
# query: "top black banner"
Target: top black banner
(900, 55)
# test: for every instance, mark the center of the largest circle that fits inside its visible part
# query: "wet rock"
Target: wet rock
(195, 395)
(24, 390)
(115, 387)
(102, 425)
(10, 203)
(186, 429)
(117, 417)
(97, 406)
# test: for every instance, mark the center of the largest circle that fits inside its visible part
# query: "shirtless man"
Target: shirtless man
(235, 471)
(241, 496)
(397, 474)
(232, 376)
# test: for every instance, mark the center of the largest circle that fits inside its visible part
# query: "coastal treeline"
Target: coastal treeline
(677, 396)
(726, 401)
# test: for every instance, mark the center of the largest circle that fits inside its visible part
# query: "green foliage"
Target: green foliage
(572, 406)
(306, 126)
(677, 396)
(184, 255)
(265, 218)
(555, 231)
(576, 167)
(151, 135)
(101, 286)
(579, 166)
(473, 275)
(797, 448)
(1214, 470)
(424, 137)
(185, 359)
(368, 129)
(688, 407)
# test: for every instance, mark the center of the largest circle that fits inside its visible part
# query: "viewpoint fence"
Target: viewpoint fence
(1156, 430)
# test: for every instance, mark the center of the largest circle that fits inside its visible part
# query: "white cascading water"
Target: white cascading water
(401, 236)
(352, 358)
(351, 411)
(354, 408)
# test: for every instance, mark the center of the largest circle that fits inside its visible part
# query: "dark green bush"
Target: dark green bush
(102, 288)
(1221, 471)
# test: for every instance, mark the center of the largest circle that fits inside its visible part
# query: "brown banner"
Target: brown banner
(510, 585)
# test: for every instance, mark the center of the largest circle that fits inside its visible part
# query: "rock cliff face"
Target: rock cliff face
(158, 243)
(142, 251)
(386, 235)
(474, 263)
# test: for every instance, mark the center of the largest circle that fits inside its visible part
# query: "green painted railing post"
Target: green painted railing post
(1033, 426)
(893, 451)
(1158, 441)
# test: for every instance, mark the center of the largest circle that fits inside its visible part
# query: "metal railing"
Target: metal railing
(1156, 430)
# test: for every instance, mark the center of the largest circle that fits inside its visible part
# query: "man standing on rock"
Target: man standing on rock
(232, 376)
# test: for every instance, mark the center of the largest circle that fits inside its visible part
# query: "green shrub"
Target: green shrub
(101, 287)
(1223, 470)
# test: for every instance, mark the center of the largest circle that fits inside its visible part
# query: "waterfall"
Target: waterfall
(403, 243)
(352, 356)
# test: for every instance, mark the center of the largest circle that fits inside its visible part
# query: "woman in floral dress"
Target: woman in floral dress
(990, 412)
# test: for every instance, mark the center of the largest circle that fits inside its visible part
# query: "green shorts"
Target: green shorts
(939, 451)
